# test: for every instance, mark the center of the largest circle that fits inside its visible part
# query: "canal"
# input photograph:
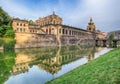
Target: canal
(39, 65)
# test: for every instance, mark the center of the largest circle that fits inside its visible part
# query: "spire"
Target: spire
(53, 12)
(91, 21)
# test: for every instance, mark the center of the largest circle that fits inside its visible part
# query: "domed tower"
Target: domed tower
(91, 26)
(51, 19)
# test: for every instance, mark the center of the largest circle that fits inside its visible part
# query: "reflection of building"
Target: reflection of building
(90, 57)
(48, 59)
(21, 63)
(51, 65)
(19, 68)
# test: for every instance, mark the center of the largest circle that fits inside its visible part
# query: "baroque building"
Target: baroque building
(51, 26)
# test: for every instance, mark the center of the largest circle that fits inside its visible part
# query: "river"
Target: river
(39, 65)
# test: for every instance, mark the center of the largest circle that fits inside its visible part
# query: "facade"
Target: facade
(52, 25)
(51, 19)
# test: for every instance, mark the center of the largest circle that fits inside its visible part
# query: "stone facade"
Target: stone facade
(50, 27)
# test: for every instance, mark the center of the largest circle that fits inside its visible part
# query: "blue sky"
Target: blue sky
(105, 13)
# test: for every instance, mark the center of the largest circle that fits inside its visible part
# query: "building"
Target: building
(52, 26)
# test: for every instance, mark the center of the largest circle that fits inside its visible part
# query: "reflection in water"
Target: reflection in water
(50, 61)
(7, 56)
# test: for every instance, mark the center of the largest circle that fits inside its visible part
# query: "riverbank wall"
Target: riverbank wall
(28, 40)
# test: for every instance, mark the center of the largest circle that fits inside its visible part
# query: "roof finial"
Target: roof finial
(53, 12)
(90, 18)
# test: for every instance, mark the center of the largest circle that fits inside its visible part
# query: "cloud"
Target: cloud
(105, 13)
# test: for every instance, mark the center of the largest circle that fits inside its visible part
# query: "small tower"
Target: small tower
(91, 26)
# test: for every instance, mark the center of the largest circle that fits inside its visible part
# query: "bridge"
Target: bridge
(106, 42)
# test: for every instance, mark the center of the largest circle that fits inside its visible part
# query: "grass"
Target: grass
(103, 70)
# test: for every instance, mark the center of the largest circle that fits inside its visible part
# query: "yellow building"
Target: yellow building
(51, 25)
(51, 19)
(20, 25)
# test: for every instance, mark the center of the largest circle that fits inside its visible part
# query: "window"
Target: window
(20, 29)
(63, 31)
(59, 31)
(20, 24)
(24, 29)
(66, 31)
(17, 29)
(90, 29)
(17, 24)
(54, 22)
(70, 32)
(24, 25)
(47, 31)
(50, 31)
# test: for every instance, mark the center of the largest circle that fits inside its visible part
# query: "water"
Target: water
(39, 65)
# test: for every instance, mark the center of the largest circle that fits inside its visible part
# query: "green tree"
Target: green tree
(111, 37)
(6, 29)
(31, 22)
(4, 17)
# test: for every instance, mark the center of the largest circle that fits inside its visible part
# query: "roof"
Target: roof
(17, 19)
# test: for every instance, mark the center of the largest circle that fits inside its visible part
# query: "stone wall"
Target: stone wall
(27, 40)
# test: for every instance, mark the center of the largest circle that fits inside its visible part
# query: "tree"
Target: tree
(6, 29)
(4, 17)
(10, 33)
(111, 37)
(31, 22)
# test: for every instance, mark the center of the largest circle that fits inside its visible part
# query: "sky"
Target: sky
(77, 13)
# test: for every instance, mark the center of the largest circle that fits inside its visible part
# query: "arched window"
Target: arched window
(90, 29)
(20, 24)
(24, 25)
(17, 24)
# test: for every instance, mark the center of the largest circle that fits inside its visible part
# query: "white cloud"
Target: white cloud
(105, 13)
